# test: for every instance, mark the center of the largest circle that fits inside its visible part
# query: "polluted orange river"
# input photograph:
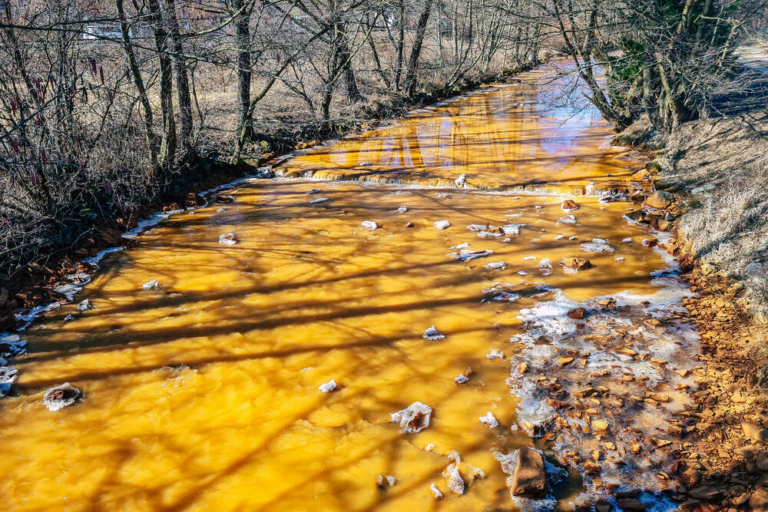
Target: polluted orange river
(419, 263)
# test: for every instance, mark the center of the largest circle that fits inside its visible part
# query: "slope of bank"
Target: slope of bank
(717, 169)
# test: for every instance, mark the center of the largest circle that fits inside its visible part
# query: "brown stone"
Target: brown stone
(569, 205)
(562, 361)
(578, 313)
(530, 477)
(631, 504)
(691, 477)
(706, 492)
(576, 263)
(659, 200)
(637, 216)
(754, 432)
(759, 500)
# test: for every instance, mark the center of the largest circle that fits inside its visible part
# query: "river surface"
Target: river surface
(203, 394)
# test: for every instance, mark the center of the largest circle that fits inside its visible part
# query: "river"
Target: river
(203, 393)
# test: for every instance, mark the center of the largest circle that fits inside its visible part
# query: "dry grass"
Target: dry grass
(722, 163)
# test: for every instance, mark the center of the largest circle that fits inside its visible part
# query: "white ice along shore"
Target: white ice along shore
(78, 281)
(620, 394)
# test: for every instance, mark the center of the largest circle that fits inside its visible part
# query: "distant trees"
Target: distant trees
(664, 58)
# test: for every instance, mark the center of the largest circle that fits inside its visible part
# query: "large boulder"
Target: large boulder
(659, 200)
(530, 477)
(759, 500)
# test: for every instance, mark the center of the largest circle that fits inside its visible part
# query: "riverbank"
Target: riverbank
(24, 291)
(716, 169)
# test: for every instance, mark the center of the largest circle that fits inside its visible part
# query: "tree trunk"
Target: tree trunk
(345, 56)
(413, 62)
(168, 142)
(244, 115)
(182, 82)
(400, 45)
(138, 81)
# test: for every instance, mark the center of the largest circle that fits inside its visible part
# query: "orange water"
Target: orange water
(203, 395)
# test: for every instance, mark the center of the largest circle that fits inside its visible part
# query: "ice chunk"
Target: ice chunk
(507, 297)
(320, 200)
(442, 224)
(12, 346)
(461, 246)
(436, 492)
(495, 354)
(85, 305)
(490, 420)
(227, 239)
(414, 418)
(452, 477)
(151, 285)
(60, 397)
(567, 220)
(619, 258)
(461, 379)
(369, 224)
(559, 237)
(496, 265)
(7, 378)
(69, 318)
(627, 241)
(328, 387)
(314, 191)
(433, 334)
(461, 180)
(597, 245)
(365, 164)
(402, 209)
(467, 255)
(386, 481)
(529, 258)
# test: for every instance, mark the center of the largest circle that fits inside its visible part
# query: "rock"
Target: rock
(522, 368)
(223, 198)
(530, 477)
(754, 432)
(638, 216)
(562, 361)
(227, 239)
(567, 220)
(8, 377)
(569, 206)
(576, 263)
(631, 504)
(496, 265)
(659, 200)
(85, 305)
(442, 224)
(691, 477)
(762, 462)
(414, 418)
(402, 209)
(60, 397)
(369, 224)
(461, 180)
(433, 334)
(706, 492)
(759, 500)
(578, 313)
(600, 425)
(489, 419)
(385, 481)
(328, 387)
(150, 285)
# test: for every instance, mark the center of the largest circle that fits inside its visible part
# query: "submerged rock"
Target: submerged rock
(442, 224)
(576, 263)
(530, 477)
(227, 239)
(569, 206)
(61, 396)
(433, 334)
(413, 419)
(385, 481)
(369, 224)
